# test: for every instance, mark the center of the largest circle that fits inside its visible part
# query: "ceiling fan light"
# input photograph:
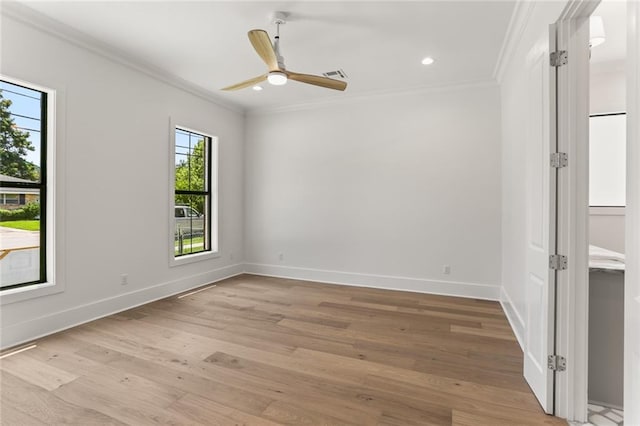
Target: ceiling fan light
(277, 78)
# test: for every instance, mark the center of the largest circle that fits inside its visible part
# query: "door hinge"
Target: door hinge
(557, 262)
(558, 58)
(556, 363)
(559, 160)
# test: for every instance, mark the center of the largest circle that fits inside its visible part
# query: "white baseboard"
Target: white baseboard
(19, 333)
(513, 316)
(418, 285)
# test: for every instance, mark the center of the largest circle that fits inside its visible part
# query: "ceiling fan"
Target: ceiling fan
(278, 74)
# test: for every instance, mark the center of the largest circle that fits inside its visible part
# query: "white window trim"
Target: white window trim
(213, 197)
(607, 211)
(55, 283)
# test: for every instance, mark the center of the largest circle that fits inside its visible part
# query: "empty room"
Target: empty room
(318, 212)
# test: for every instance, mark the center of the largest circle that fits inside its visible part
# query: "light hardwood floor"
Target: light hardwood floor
(264, 351)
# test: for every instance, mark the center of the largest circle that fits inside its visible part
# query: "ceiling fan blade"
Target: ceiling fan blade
(247, 83)
(262, 44)
(316, 80)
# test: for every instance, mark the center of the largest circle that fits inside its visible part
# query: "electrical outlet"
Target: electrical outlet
(280, 257)
(446, 269)
(124, 279)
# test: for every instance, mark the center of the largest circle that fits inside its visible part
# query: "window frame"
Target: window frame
(212, 225)
(52, 283)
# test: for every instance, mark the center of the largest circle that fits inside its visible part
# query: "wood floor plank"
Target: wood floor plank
(324, 391)
(263, 351)
(289, 414)
(127, 403)
(36, 372)
(195, 384)
(199, 409)
(463, 418)
(45, 406)
(496, 334)
(12, 416)
(463, 388)
(413, 396)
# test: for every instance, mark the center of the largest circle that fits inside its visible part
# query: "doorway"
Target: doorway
(607, 203)
(598, 303)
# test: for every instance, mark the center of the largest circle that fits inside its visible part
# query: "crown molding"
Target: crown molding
(517, 24)
(380, 94)
(41, 22)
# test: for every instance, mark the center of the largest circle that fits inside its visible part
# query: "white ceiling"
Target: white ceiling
(610, 55)
(378, 44)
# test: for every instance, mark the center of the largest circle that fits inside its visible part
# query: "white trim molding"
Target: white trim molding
(16, 334)
(386, 282)
(513, 316)
(607, 211)
(632, 248)
(573, 210)
(519, 20)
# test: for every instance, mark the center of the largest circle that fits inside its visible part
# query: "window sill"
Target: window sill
(193, 258)
(20, 294)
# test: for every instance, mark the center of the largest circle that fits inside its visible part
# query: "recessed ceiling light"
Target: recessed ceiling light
(427, 61)
(257, 88)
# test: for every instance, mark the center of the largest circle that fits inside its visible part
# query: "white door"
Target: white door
(541, 220)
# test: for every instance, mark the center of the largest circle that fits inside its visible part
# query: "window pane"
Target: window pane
(190, 161)
(22, 185)
(21, 111)
(11, 200)
(198, 165)
(191, 224)
(182, 172)
(19, 236)
(607, 160)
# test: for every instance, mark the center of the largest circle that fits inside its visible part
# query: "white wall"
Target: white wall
(606, 228)
(515, 119)
(113, 188)
(381, 191)
(607, 91)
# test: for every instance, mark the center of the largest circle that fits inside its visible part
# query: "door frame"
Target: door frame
(632, 223)
(573, 210)
(573, 205)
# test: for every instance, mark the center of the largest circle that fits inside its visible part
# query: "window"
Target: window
(10, 199)
(607, 160)
(195, 206)
(23, 185)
